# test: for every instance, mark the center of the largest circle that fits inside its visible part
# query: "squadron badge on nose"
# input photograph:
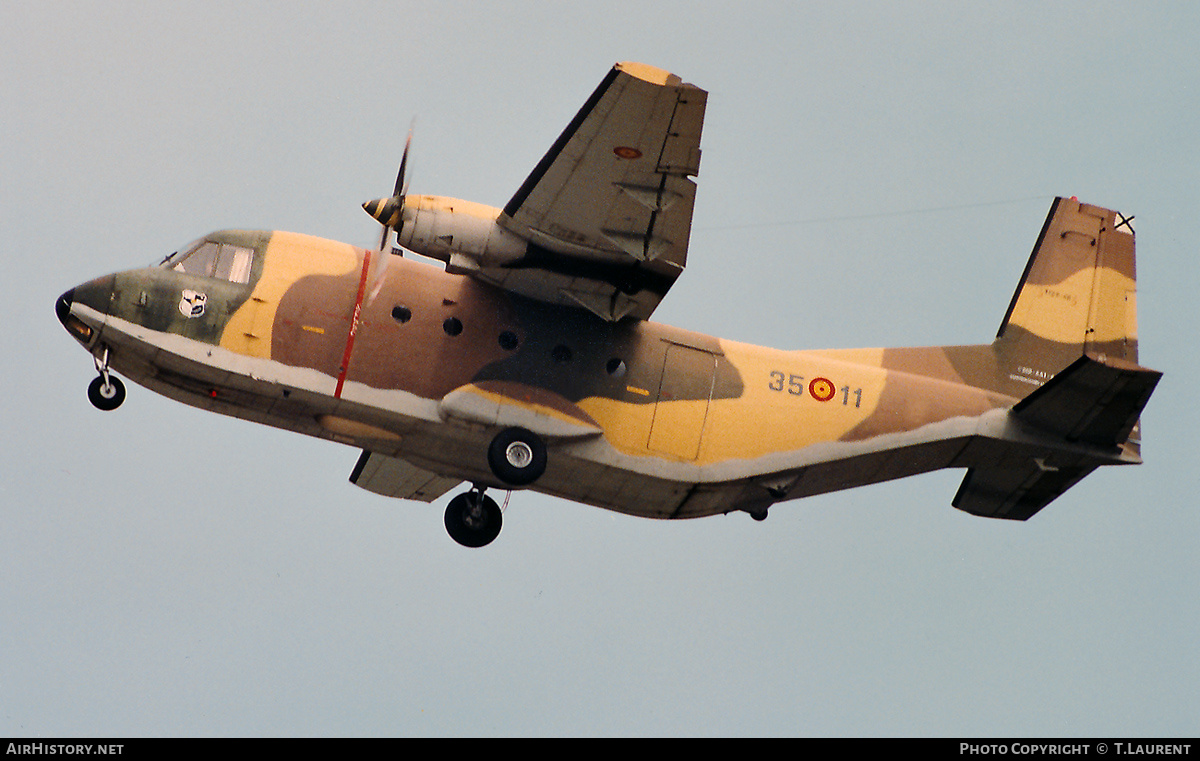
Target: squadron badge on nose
(192, 303)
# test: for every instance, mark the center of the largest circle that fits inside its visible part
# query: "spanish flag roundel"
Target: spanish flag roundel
(822, 389)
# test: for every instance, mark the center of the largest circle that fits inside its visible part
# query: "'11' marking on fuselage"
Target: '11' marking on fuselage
(821, 389)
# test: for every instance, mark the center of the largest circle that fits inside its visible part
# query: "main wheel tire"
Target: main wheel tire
(517, 456)
(106, 396)
(473, 519)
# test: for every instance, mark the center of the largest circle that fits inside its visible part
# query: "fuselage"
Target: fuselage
(375, 351)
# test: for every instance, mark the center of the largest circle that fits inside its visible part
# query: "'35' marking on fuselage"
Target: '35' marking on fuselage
(819, 388)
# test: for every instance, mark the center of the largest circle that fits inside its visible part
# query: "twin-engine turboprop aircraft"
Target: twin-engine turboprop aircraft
(529, 361)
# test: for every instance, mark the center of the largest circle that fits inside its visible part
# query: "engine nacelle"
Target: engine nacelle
(461, 233)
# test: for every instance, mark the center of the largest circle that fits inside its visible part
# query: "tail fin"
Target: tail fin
(1078, 296)
(1068, 349)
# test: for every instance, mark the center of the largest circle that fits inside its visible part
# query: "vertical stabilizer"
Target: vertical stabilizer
(1068, 349)
(1077, 296)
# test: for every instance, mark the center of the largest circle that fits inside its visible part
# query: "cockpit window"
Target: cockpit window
(233, 263)
(172, 259)
(210, 259)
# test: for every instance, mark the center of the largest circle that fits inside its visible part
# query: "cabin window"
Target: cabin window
(452, 325)
(508, 340)
(401, 314)
(561, 354)
(211, 259)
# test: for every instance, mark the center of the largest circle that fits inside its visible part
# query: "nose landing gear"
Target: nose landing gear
(473, 519)
(107, 391)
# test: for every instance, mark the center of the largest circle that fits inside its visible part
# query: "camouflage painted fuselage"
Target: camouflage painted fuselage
(403, 359)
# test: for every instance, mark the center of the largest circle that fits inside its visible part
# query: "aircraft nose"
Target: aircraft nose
(96, 294)
(62, 307)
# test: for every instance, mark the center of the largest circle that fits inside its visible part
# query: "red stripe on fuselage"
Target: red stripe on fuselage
(358, 300)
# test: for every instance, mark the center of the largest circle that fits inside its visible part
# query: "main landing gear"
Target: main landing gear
(517, 457)
(105, 392)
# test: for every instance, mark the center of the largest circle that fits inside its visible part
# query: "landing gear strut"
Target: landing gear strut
(473, 519)
(107, 391)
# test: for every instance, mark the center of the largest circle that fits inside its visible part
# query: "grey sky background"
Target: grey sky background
(874, 174)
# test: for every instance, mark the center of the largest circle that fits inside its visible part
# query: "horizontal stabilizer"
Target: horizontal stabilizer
(393, 477)
(1014, 493)
(1092, 401)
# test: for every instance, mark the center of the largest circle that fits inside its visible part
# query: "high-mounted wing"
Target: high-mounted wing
(602, 222)
(608, 210)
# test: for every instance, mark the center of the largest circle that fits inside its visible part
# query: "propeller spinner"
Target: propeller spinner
(389, 211)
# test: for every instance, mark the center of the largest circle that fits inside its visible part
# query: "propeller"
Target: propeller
(389, 211)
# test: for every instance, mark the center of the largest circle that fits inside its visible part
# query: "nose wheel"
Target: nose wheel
(105, 392)
(473, 519)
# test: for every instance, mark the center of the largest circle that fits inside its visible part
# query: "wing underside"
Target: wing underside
(608, 210)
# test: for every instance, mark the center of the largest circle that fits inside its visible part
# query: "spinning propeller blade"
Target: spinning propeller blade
(389, 211)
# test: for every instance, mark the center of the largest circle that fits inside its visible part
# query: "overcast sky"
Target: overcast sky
(874, 174)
